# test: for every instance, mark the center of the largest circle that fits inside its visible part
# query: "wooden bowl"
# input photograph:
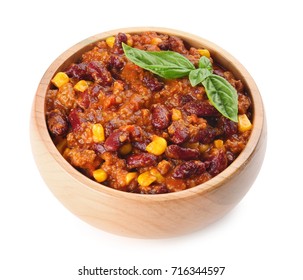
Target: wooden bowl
(148, 216)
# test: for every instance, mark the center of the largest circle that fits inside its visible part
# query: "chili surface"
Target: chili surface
(133, 131)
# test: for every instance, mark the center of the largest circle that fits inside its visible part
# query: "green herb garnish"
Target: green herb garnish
(172, 65)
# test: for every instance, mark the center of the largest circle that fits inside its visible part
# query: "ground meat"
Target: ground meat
(177, 45)
(84, 159)
(142, 133)
(243, 103)
(66, 96)
(115, 169)
(237, 143)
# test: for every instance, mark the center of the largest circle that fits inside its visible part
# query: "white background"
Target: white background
(260, 239)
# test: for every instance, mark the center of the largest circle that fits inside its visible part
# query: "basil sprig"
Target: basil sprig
(167, 64)
(172, 65)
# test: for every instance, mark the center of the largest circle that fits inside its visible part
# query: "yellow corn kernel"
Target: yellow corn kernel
(125, 149)
(145, 179)
(155, 41)
(81, 86)
(60, 79)
(157, 146)
(129, 40)
(218, 144)
(66, 153)
(61, 146)
(204, 52)
(130, 176)
(110, 41)
(98, 133)
(100, 175)
(244, 123)
(176, 115)
(203, 148)
(155, 172)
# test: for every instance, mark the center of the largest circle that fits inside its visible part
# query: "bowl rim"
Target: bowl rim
(217, 52)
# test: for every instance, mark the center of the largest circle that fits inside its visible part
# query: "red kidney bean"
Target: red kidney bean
(152, 83)
(227, 126)
(161, 117)
(57, 122)
(119, 39)
(204, 136)
(93, 71)
(99, 148)
(157, 189)
(115, 65)
(99, 73)
(183, 99)
(164, 45)
(201, 108)
(177, 152)
(218, 71)
(179, 133)
(116, 62)
(140, 160)
(115, 140)
(140, 145)
(77, 71)
(188, 169)
(218, 163)
(75, 119)
(230, 157)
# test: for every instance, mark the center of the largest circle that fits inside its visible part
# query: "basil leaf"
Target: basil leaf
(198, 75)
(167, 64)
(204, 63)
(222, 95)
(172, 65)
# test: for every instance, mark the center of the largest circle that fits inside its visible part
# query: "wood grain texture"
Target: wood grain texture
(147, 216)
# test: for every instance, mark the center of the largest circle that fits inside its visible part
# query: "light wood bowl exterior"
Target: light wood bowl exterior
(147, 216)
